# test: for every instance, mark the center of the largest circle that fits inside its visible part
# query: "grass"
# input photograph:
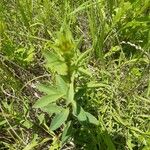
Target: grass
(97, 53)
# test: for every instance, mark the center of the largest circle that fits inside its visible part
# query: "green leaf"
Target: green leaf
(66, 133)
(82, 57)
(121, 12)
(59, 119)
(79, 112)
(70, 97)
(30, 55)
(50, 90)
(27, 124)
(85, 5)
(98, 85)
(55, 63)
(85, 71)
(82, 115)
(118, 118)
(61, 84)
(108, 141)
(91, 119)
(45, 100)
(112, 51)
(52, 108)
(41, 118)
(3, 122)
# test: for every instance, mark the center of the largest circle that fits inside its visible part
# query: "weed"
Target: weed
(89, 61)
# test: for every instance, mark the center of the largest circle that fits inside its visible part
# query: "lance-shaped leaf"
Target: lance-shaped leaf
(70, 96)
(67, 132)
(55, 63)
(79, 112)
(52, 108)
(50, 90)
(59, 119)
(91, 119)
(85, 72)
(61, 84)
(45, 100)
(82, 115)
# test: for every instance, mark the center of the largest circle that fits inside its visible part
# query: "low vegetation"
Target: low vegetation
(75, 75)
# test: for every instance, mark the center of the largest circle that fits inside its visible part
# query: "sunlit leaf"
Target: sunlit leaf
(52, 108)
(45, 100)
(91, 119)
(59, 119)
(55, 63)
(61, 84)
(50, 90)
(70, 97)
(79, 112)
(85, 71)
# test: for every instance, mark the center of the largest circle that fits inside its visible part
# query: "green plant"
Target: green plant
(105, 72)
(68, 64)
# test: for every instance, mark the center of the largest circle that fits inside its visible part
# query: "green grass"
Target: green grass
(74, 75)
